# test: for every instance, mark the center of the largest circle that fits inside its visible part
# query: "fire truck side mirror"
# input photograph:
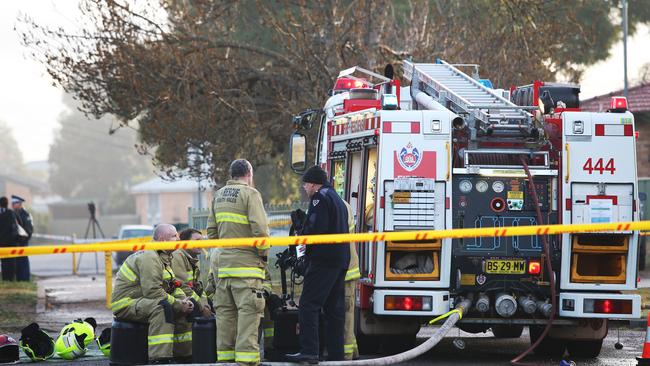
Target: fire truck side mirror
(298, 149)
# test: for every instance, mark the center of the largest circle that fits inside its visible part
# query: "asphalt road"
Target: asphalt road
(480, 349)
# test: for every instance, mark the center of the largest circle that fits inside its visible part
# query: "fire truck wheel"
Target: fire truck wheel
(507, 331)
(549, 347)
(585, 349)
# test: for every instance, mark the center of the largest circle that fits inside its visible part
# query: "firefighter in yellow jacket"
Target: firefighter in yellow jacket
(350, 342)
(185, 267)
(238, 212)
(145, 290)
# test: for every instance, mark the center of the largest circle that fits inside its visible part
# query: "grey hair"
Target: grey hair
(161, 231)
(240, 168)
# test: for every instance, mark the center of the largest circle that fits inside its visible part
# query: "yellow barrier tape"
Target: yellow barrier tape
(141, 244)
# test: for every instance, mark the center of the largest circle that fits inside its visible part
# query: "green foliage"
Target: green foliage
(219, 80)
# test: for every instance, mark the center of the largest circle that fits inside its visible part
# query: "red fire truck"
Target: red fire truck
(449, 151)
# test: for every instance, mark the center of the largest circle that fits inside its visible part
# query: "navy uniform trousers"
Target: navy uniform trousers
(324, 288)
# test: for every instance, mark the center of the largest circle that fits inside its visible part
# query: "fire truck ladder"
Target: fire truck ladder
(467, 97)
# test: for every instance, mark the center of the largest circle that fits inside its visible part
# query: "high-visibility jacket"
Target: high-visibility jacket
(186, 269)
(238, 212)
(211, 282)
(353, 270)
(146, 274)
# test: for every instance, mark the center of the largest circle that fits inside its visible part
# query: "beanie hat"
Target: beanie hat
(315, 175)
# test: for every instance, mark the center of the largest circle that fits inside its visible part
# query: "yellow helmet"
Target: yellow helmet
(70, 346)
(86, 326)
(104, 342)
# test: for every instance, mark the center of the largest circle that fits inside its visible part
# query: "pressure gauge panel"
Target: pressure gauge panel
(465, 186)
(482, 186)
(498, 186)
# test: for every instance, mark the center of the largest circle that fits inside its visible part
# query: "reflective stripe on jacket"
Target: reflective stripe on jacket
(238, 212)
(144, 274)
(186, 269)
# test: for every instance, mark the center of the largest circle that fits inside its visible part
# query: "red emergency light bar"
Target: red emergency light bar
(618, 104)
(349, 83)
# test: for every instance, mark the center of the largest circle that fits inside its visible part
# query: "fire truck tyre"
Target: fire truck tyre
(549, 347)
(473, 328)
(368, 344)
(507, 331)
(585, 349)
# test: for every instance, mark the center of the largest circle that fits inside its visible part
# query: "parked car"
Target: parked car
(131, 231)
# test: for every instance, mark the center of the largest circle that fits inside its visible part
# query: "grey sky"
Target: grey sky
(31, 105)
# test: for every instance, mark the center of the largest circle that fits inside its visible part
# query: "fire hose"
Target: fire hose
(452, 318)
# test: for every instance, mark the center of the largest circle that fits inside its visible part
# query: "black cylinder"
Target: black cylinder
(129, 343)
(204, 340)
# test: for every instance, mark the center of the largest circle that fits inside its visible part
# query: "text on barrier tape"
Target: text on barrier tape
(146, 244)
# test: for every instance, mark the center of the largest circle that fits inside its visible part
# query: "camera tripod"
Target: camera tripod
(94, 224)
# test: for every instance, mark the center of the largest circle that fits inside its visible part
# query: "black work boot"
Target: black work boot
(302, 358)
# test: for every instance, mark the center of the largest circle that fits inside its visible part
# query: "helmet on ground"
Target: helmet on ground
(104, 342)
(36, 344)
(8, 349)
(69, 345)
(86, 326)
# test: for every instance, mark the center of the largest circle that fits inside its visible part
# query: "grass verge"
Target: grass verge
(17, 304)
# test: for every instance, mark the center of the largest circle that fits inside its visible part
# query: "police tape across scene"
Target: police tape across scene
(147, 244)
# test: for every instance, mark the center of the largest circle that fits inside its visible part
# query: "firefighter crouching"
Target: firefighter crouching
(144, 292)
(238, 212)
(184, 265)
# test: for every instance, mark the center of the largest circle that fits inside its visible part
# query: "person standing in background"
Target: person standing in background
(24, 219)
(8, 235)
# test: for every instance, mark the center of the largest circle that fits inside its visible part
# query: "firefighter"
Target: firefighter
(144, 292)
(185, 268)
(350, 347)
(327, 265)
(238, 212)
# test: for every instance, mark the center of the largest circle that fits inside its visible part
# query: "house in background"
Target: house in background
(160, 201)
(21, 186)
(639, 104)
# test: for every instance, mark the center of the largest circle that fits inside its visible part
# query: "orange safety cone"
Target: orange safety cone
(645, 356)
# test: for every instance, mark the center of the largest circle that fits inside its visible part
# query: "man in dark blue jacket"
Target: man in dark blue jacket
(327, 265)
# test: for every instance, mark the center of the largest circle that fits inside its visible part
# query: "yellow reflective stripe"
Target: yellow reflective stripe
(183, 337)
(231, 217)
(247, 356)
(353, 274)
(226, 355)
(267, 286)
(160, 339)
(122, 303)
(167, 274)
(349, 348)
(178, 292)
(170, 299)
(241, 272)
(190, 275)
(195, 296)
(128, 273)
(269, 332)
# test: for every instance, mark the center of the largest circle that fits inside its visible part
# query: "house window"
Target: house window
(153, 209)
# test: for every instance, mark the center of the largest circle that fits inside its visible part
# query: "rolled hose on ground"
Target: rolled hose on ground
(452, 319)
